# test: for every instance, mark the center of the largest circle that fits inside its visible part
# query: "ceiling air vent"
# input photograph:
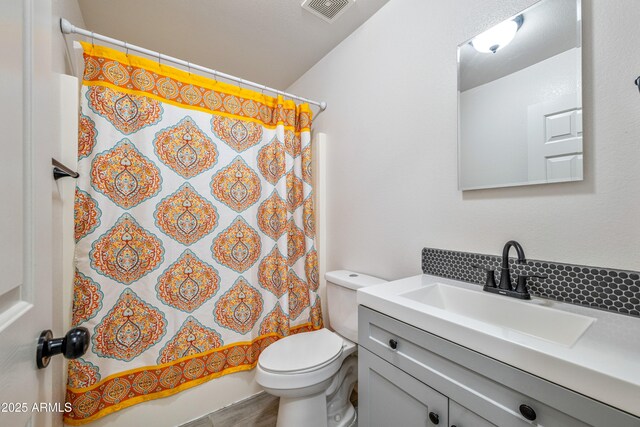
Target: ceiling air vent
(329, 10)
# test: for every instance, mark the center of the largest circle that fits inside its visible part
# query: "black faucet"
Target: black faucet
(505, 274)
(505, 287)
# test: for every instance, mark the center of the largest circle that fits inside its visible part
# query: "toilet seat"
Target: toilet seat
(302, 361)
(302, 353)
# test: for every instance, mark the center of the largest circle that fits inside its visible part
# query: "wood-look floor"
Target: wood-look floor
(260, 410)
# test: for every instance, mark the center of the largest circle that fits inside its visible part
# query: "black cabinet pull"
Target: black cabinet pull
(393, 344)
(434, 417)
(527, 412)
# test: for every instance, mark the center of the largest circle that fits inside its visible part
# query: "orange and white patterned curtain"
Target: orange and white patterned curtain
(194, 227)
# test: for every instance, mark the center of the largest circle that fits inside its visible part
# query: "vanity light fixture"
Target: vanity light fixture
(497, 37)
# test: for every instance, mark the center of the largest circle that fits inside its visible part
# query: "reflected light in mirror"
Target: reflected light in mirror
(497, 37)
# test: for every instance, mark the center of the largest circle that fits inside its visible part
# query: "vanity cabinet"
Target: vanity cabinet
(407, 374)
(390, 397)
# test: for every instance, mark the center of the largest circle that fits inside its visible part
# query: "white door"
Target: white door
(555, 141)
(29, 133)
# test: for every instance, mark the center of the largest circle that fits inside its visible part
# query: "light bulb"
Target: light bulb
(495, 38)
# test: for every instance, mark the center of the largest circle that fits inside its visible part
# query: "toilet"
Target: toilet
(313, 373)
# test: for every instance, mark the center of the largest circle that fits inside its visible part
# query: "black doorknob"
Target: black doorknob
(528, 412)
(434, 417)
(71, 346)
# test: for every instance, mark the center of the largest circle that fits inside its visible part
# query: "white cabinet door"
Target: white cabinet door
(389, 397)
(28, 137)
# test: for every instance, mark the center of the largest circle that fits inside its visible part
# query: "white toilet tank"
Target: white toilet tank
(341, 300)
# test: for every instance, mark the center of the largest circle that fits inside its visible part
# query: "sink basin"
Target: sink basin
(546, 323)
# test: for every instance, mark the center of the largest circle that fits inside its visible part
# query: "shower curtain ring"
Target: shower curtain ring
(92, 37)
(126, 49)
(189, 68)
(159, 55)
(215, 76)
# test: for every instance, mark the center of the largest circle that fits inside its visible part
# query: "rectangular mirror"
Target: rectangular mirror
(520, 100)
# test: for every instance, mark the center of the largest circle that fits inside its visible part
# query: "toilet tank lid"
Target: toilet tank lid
(351, 279)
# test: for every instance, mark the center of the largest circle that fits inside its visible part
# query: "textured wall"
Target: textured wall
(391, 125)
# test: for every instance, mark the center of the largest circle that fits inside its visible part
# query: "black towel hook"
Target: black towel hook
(637, 82)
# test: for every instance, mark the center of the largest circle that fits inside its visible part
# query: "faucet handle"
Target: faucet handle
(491, 275)
(522, 281)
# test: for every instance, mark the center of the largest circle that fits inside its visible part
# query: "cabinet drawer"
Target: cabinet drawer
(487, 387)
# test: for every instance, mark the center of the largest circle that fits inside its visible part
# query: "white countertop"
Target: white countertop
(603, 364)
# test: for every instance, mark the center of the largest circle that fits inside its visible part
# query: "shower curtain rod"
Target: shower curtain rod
(68, 28)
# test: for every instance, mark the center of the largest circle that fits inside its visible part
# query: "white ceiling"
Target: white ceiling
(271, 42)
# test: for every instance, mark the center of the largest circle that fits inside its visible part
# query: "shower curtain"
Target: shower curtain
(194, 230)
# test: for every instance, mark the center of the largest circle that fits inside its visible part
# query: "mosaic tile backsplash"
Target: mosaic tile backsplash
(603, 288)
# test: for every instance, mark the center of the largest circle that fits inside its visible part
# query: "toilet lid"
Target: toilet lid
(302, 352)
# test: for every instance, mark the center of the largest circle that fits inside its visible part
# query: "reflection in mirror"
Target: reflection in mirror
(520, 100)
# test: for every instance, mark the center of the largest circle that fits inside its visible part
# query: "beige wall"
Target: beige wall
(70, 10)
(391, 126)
